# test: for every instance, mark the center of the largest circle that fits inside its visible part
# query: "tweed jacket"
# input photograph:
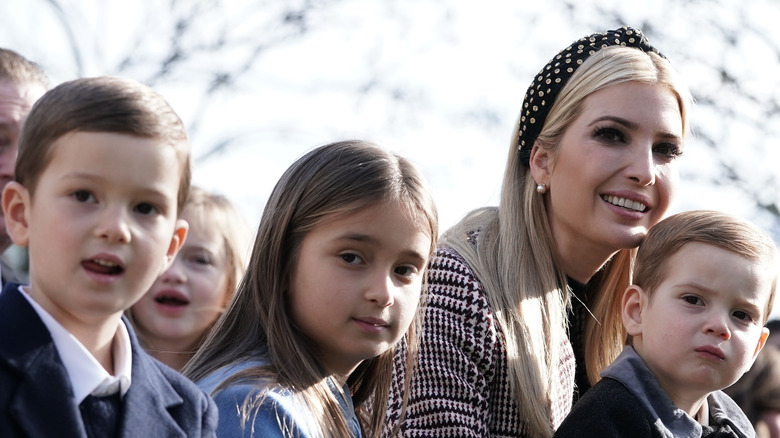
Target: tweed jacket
(461, 386)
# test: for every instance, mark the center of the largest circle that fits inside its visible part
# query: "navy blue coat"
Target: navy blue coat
(36, 397)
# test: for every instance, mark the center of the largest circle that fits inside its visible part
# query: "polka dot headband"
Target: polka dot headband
(553, 77)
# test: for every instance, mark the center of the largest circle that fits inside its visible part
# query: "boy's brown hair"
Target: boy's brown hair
(715, 228)
(100, 104)
(17, 69)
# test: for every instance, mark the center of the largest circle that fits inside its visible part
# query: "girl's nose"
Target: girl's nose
(174, 274)
(380, 291)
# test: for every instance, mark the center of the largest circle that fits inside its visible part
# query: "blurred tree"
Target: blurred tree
(436, 78)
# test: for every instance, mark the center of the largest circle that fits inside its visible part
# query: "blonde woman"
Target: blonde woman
(523, 307)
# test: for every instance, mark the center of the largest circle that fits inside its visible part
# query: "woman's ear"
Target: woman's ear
(541, 164)
(16, 209)
(633, 304)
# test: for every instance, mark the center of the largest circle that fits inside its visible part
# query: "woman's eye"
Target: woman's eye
(610, 135)
(83, 196)
(145, 208)
(668, 150)
(352, 259)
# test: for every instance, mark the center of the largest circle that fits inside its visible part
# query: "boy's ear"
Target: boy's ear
(177, 240)
(16, 209)
(633, 304)
(540, 162)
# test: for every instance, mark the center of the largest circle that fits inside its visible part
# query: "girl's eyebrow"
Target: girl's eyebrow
(360, 237)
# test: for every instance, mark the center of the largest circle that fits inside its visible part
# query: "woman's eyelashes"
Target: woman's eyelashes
(668, 150)
(615, 135)
(609, 135)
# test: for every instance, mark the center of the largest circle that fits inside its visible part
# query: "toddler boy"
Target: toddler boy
(102, 173)
(704, 284)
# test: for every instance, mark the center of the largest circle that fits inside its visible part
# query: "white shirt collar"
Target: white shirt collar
(86, 374)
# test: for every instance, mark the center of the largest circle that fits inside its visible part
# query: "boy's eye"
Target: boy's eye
(692, 299)
(352, 259)
(83, 196)
(742, 316)
(145, 208)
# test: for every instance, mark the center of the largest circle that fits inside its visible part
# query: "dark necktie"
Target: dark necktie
(101, 415)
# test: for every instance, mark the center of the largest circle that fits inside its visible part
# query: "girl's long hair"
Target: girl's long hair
(516, 261)
(329, 182)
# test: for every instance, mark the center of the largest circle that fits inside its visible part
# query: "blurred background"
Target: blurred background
(261, 82)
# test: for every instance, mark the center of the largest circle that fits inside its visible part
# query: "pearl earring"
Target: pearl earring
(541, 189)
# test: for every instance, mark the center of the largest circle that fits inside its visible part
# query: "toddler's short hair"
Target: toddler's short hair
(715, 228)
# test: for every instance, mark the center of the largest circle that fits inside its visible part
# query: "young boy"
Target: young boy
(102, 173)
(704, 284)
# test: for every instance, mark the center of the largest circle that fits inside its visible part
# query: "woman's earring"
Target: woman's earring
(541, 189)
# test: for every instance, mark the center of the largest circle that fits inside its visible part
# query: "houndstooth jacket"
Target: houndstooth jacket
(461, 387)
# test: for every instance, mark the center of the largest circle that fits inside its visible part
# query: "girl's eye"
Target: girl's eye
(692, 299)
(145, 208)
(83, 196)
(352, 259)
(200, 259)
(610, 135)
(668, 150)
(405, 271)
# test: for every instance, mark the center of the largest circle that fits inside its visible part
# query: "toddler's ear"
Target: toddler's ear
(761, 342)
(16, 209)
(177, 240)
(633, 303)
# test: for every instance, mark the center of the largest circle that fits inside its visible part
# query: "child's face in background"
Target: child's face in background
(357, 283)
(190, 295)
(702, 327)
(101, 225)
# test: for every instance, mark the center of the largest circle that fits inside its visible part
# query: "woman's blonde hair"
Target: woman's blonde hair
(332, 181)
(515, 257)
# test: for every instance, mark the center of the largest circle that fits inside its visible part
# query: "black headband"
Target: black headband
(551, 79)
